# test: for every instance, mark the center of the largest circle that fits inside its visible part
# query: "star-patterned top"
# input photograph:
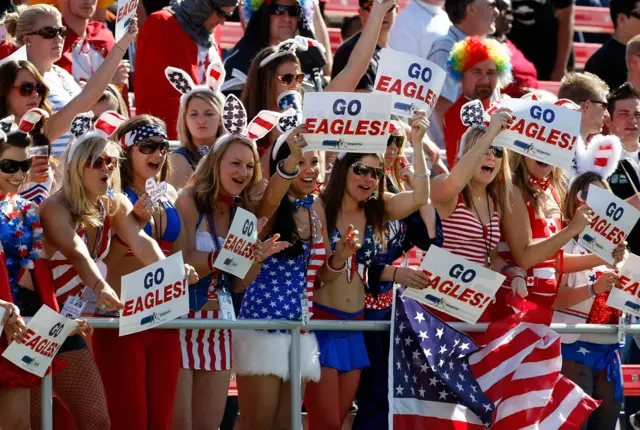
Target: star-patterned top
(360, 261)
(430, 361)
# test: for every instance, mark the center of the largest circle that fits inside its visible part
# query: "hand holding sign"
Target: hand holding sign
(237, 253)
(107, 298)
(14, 326)
(155, 191)
(143, 209)
(412, 278)
(419, 126)
(581, 219)
(126, 21)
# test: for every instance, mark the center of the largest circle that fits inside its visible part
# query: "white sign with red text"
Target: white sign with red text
(349, 122)
(236, 255)
(46, 332)
(542, 131)
(413, 82)
(613, 221)
(154, 295)
(126, 11)
(458, 287)
(626, 296)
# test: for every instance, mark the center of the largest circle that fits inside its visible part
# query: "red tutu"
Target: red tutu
(11, 376)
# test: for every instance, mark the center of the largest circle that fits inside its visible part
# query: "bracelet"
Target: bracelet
(519, 276)
(422, 175)
(96, 284)
(505, 268)
(334, 270)
(394, 274)
(119, 47)
(285, 175)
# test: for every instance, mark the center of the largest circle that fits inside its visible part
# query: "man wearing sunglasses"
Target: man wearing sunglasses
(608, 62)
(180, 36)
(87, 42)
(590, 93)
(273, 21)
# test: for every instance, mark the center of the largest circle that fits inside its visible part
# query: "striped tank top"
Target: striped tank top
(66, 280)
(465, 236)
(62, 89)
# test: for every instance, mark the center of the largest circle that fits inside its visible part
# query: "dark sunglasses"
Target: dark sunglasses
(498, 152)
(362, 169)
(27, 88)
(279, 10)
(600, 103)
(150, 146)
(50, 32)
(398, 141)
(12, 166)
(222, 14)
(103, 160)
(288, 78)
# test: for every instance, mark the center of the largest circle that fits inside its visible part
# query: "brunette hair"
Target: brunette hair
(578, 184)
(521, 177)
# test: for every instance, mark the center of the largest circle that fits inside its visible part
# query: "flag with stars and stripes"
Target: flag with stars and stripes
(440, 377)
(431, 383)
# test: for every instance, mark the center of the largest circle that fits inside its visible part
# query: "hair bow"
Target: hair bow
(234, 119)
(181, 81)
(81, 128)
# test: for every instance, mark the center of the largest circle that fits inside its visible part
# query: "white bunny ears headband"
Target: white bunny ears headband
(234, 120)
(181, 81)
(81, 128)
(290, 46)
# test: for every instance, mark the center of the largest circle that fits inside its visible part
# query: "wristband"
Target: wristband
(394, 274)
(519, 276)
(334, 270)
(96, 284)
(505, 268)
(422, 175)
(285, 175)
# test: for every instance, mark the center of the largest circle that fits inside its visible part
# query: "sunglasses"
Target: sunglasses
(50, 32)
(498, 152)
(27, 88)
(398, 141)
(13, 166)
(98, 162)
(279, 10)
(600, 103)
(288, 78)
(362, 169)
(222, 14)
(150, 146)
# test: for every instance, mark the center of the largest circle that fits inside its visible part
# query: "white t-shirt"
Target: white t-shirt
(205, 57)
(62, 89)
(417, 26)
(85, 60)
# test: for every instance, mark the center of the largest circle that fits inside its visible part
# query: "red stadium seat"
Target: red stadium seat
(593, 19)
(631, 379)
(583, 51)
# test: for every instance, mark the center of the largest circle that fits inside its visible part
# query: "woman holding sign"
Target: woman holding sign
(140, 371)
(78, 224)
(355, 200)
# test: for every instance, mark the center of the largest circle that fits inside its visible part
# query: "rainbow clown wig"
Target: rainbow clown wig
(473, 50)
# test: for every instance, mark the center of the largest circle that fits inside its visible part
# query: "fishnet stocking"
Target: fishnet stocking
(328, 401)
(80, 389)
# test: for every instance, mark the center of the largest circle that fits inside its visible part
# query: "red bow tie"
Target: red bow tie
(228, 200)
(543, 184)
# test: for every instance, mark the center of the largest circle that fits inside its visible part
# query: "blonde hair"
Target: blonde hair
(25, 20)
(395, 169)
(83, 211)
(521, 180)
(500, 188)
(205, 182)
(186, 139)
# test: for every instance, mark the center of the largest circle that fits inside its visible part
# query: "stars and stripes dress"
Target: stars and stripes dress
(283, 290)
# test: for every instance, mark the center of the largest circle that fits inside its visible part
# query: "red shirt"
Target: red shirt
(524, 72)
(454, 129)
(6, 49)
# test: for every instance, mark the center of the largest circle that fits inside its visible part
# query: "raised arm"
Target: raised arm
(401, 205)
(446, 188)
(60, 121)
(349, 77)
(322, 35)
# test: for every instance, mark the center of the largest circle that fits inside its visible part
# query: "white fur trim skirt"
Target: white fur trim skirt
(257, 352)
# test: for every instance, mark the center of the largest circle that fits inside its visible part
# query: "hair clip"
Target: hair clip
(181, 81)
(81, 126)
(234, 120)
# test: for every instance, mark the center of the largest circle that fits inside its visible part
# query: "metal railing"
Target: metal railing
(294, 361)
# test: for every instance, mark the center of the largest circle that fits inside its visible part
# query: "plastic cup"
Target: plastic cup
(40, 156)
(290, 99)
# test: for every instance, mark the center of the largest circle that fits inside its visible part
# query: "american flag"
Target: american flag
(515, 377)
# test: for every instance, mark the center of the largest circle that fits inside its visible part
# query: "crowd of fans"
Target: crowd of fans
(73, 222)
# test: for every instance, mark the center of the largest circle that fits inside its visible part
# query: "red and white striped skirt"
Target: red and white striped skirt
(205, 349)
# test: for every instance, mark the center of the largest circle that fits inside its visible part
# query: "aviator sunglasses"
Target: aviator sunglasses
(13, 166)
(150, 146)
(50, 32)
(362, 169)
(98, 162)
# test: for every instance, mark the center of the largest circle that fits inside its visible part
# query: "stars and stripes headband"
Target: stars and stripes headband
(141, 133)
(290, 46)
(104, 127)
(181, 81)
(234, 120)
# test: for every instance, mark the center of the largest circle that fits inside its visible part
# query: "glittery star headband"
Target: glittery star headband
(181, 81)
(105, 126)
(141, 133)
(234, 119)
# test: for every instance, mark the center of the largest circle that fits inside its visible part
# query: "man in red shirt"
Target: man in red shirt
(87, 42)
(479, 65)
